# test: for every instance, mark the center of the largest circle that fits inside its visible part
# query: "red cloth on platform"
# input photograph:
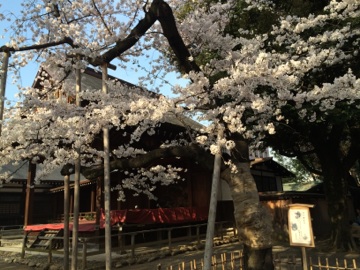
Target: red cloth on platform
(134, 216)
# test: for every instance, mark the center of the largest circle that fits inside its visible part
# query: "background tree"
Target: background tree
(321, 124)
(315, 44)
(301, 174)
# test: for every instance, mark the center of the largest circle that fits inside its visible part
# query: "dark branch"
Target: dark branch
(308, 166)
(161, 11)
(192, 152)
(168, 24)
(135, 34)
(66, 40)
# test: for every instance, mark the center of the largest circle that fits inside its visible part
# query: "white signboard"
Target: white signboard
(300, 229)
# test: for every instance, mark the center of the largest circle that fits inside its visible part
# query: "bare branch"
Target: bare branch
(102, 18)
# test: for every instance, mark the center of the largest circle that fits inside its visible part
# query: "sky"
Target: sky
(28, 73)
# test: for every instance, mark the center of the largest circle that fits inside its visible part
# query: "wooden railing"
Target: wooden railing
(82, 215)
(8, 233)
(128, 241)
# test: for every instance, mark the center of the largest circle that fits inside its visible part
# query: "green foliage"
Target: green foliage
(296, 167)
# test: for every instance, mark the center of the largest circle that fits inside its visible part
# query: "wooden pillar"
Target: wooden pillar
(71, 207)
(66, 221)
(29, 199)
(98, 201)
(189, 178)
(93, 199)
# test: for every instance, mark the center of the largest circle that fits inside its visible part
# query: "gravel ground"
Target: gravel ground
(161, 257)
(148, 258)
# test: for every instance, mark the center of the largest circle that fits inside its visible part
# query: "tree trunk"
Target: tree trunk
(252, 219)
(327, 147)
(336, 191)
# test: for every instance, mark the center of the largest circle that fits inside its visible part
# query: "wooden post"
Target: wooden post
(66, 220)
(304, 258)
(169, 239)
(99, 191)
(4, 69)
(212, 208)
(189, 235)
(71, 207)
(92, 199)
(23, 245)
(133, 245)
(198, 234)
(28, 219)
(84, 255)
(98, 200)
(106, 178)
(50, 251)
(75, 235)
(121, 240)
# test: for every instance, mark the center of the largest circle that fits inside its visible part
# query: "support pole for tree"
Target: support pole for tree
(212, 208)
(66, 220)
(75, 234)
(4, 70)
(106, 178)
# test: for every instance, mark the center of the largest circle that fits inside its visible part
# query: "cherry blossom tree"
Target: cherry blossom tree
(316, 44)
(246, 84)
(321, 125)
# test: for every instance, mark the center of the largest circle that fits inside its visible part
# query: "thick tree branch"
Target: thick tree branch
(135, 34)
(308, 166)
(159, 10)
(65, 40)
(168, 24)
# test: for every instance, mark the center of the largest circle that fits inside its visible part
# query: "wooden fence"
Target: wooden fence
(226, 261)
(234, 261)
(344, 264)
(127, 240)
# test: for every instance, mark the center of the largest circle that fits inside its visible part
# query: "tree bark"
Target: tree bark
(252, 219)
(327, 147)
(336, 191)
